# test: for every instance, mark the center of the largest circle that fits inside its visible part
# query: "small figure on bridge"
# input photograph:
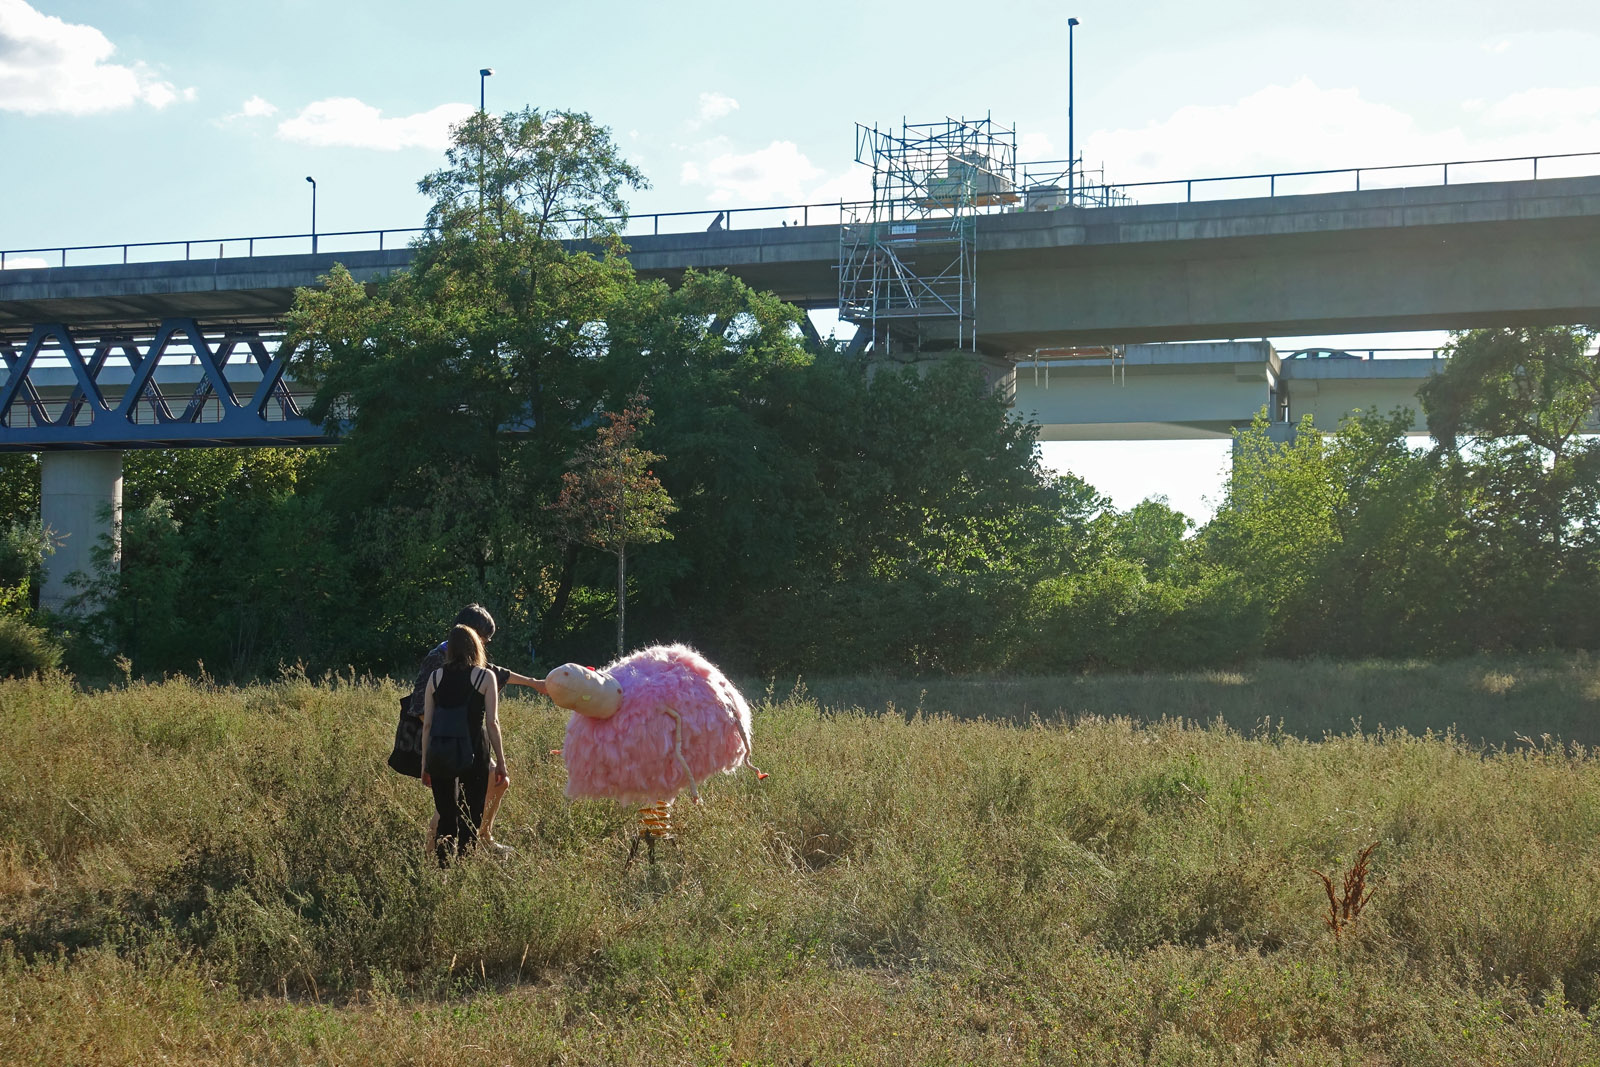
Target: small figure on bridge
(647, 727)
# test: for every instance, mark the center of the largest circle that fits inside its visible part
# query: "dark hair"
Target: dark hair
(477, 616)
(463, 648)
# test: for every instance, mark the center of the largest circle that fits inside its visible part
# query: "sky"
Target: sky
(134, 120)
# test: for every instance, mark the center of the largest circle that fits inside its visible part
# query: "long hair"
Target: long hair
(464, 648)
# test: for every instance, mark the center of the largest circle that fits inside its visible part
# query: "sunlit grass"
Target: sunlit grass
(960, 870)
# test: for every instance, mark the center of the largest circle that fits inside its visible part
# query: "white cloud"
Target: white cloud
(48, 65)
(713, 106)
(346, 122)
(850, 186)
(1279, 128)
(24, 262)
(1548, 107)
(1036, 146)
(1305, 127)
(254, 108)
(778, 173)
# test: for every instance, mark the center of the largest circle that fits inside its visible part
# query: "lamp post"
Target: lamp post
(483, 76)
(313, 182)
(1072, 159)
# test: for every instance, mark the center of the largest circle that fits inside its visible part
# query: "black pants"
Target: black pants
(459, 802)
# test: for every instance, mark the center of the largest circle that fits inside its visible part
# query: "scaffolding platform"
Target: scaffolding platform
(908, 262)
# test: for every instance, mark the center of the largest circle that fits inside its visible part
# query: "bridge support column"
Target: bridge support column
(80, 499)
(1279, 433)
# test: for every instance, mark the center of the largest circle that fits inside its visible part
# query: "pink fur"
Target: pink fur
(629, 757)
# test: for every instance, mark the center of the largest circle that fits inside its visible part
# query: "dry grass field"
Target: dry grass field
(1098, 870)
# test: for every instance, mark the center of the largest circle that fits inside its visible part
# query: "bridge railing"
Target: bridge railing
(1342, 179)
(1175, 190)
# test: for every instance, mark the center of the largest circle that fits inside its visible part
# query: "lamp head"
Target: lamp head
(310, 179)
(1072, 22)
(485, 72)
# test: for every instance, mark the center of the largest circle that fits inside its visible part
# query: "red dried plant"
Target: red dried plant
(1346, 901)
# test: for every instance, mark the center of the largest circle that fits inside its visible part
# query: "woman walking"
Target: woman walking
(460, 723)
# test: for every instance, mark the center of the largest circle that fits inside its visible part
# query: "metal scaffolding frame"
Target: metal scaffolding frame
(908, 262)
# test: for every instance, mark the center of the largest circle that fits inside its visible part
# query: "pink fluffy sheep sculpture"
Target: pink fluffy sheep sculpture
(647, 727)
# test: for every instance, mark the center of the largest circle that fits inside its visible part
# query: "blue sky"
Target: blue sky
(160, 119)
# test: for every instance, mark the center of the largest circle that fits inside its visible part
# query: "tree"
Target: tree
(1510, 410)
(461, 387)
(611, 497)
(19, 487)
(530, 174)
(1541, 383)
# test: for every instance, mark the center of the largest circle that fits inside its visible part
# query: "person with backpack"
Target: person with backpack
(407, 758)
(460, 726)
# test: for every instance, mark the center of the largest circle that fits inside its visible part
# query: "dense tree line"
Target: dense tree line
(812, 516)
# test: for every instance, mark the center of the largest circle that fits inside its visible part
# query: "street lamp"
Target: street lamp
(313, 182)
(483, 76)
(1072, 159)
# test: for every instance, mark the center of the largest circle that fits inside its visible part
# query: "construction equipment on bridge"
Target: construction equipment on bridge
(908, 262)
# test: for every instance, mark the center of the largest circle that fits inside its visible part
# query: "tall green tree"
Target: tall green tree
(1537, 383)
(460, 387)
(1511, 410)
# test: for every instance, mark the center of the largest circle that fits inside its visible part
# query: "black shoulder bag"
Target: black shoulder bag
(407, 755)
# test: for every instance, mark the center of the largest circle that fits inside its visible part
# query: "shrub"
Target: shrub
(26, 649)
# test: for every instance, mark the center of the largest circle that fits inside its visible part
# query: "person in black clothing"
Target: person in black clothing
(476, 617)
(464, 681)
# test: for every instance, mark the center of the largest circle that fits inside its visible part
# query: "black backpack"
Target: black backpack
(450, 750)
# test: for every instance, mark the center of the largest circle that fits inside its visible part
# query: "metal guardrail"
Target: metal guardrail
(654, 224)
(833, 213)
(1353, 173)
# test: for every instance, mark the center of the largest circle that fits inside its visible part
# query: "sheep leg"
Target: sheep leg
(744, 735)
(677, 750)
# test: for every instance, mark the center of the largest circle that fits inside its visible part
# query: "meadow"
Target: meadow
(1097, 870)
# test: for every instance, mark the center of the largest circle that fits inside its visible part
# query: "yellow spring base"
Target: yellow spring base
(655, 822)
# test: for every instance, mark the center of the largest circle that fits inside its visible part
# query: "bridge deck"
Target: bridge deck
(1434, 257)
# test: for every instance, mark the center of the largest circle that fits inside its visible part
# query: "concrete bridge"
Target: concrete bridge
(1435, 257)
(1206, 390)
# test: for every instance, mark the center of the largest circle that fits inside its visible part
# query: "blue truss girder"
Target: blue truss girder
(117, 426)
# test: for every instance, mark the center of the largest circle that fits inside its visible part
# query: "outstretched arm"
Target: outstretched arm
(536, 684)
(491, 724)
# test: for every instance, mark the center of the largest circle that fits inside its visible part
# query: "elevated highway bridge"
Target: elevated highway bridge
(104, 356)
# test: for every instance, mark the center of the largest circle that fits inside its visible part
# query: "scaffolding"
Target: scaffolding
(908, 261)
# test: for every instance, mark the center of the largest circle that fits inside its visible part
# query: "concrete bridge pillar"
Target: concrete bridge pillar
(80, 498)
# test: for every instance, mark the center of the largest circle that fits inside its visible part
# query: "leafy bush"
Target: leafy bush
(26, 649)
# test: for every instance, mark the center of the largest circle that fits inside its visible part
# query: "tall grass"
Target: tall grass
(1018, 872)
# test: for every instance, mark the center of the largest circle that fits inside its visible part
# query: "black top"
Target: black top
(432, 662)
(454, 689)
